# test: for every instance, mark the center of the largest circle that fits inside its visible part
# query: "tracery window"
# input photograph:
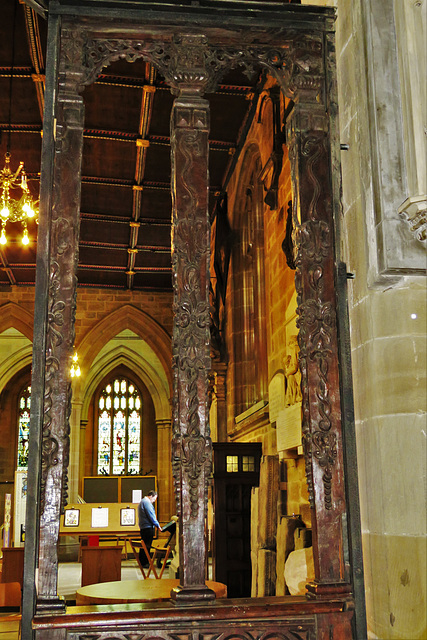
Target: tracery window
(23, 428)
(249, 291)
(119, 428)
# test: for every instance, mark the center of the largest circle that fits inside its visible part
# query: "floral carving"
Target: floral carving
(192, 447)
(288, 631)
(192, 60)
(316, 321)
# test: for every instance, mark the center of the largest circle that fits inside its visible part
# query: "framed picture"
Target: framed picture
(72, 518)
(127, 517)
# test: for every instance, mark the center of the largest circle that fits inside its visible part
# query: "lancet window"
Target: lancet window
(23, 428)
(119, 428)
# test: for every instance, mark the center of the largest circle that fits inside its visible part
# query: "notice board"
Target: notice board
(116, 488)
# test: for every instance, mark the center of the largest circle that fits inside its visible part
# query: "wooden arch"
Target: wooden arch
(192, 47)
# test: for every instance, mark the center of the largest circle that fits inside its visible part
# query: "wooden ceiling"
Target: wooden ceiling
(125, 197)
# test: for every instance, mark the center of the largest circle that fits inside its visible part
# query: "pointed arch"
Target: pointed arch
(128, 317)
(147, 373)
(12, 315)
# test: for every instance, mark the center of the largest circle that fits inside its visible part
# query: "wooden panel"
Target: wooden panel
(286, 618)
(101, 564)
(13, 564)
(85, 520)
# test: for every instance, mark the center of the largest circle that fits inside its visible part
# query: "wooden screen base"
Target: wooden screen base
(288, 617)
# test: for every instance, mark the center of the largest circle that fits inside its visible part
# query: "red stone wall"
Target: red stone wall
(95, 304)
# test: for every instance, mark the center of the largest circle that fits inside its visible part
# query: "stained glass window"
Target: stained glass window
(119, 428)
(23, 428)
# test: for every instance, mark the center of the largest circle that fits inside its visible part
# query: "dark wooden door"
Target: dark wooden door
(236, 471)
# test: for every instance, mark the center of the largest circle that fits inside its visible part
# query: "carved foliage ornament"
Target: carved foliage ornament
(316, 323)
(193, 61)
(61, 301)
(256, 632)
(191, 357)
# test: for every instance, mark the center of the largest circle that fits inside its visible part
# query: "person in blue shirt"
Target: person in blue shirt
(147, 523)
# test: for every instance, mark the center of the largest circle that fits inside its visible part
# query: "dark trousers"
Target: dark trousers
(147, 536)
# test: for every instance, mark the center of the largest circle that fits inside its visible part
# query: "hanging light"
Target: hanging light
(12, 209)
(75, 369)
(15, 207)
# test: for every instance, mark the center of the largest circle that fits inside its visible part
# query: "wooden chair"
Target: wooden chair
(137, 545)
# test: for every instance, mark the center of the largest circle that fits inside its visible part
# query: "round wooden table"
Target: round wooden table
(128, 591)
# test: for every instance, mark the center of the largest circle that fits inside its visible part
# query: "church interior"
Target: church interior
(285, 432)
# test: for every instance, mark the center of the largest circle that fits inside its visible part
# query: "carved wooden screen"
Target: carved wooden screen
(296, 45)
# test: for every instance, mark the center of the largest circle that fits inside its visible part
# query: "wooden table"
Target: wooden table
(128, 591)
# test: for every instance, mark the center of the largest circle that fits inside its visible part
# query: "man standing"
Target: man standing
(147, 523)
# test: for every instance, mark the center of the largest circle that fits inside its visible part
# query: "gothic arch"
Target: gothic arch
(12, 365)
(127, 317)
(12, 315)
(143, 369)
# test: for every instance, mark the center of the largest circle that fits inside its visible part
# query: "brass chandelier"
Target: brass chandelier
(20, 209)
(16, 203)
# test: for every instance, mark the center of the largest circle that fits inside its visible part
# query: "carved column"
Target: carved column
(309, 142)
(64, 236)
(191, 444)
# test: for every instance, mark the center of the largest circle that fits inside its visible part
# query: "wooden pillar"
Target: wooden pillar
(309, 143)
(191, 444)
(64, 238)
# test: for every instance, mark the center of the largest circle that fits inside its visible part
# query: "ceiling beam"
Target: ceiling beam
(36, 54)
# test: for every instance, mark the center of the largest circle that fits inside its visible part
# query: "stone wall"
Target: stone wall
(94, 309)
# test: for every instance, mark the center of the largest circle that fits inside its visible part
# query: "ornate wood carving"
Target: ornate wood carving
(195, 60)
(61, 314)
(192, 63)
(244, 619)
(291, 632)
(315, 285)
(191, 443)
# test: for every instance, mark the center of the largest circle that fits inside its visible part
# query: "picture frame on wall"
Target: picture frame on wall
(72, 518)
(127, 517)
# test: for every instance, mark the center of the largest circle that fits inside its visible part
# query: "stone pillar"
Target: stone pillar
(191, 444)
(166, 500)
(82, 448)
(220, 390)
(64, 242)
(75, 451)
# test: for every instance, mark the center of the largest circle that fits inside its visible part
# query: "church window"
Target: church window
(119, 428)
(23, 428)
